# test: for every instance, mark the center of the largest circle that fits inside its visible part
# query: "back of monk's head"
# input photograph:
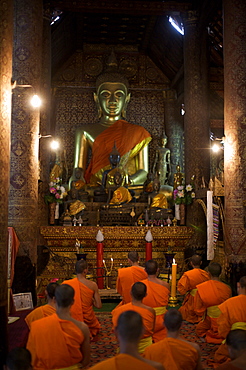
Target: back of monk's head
(64, 295)
(139, 291)
(237, 339)
(173, 319)
(19, 359)
(133, 256)
(242, 282)
(151, 267)
(196, 260)
(130, 326)
(214, 269)
(80, 266)
(51, 287)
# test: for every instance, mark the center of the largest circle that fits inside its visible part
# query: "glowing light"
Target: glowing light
(216, 148)
(36, 101)
(54, 145)
(176, 26)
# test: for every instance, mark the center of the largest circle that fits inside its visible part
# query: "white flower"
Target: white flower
(181, 194)
(188, 187)
(193, 195)
(62, 189)
(51, 183)
(58, 187)
(180, 187)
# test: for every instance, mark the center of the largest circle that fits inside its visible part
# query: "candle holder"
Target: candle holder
(173, 302)
(108, 272)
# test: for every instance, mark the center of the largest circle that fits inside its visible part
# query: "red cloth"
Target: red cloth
(157, 296)
(209, 294)
(54, 343)
(126, 278)
(188, 281)
(125, 135)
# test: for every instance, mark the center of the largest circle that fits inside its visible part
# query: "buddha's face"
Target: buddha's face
(114, 159)
(112, 98)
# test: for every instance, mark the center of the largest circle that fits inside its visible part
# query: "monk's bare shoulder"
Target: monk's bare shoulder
(82, 326)
(91, 285)
(194, 345)
(150, 309)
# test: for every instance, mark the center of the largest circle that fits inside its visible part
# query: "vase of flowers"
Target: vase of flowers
(54, 198)
(183, 195)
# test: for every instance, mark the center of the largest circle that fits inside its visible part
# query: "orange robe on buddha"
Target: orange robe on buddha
(187, 286)
(126, 278)
(174, 354)
(157, 298)
(39, 313)
(54, 343)
(82, 309)
(148, 322)
(126, 136)
(122, 362)
(233, 316)
(209, 295)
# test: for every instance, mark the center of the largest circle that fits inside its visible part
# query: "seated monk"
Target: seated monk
(86, 296)
(59, 341)
(233, 316)
(18, 358)
(131, 140)
(174, 352)
(158, 292)
(187, 286)
(236, 344)
(128, 276)
(138, 292)
(45, 310)
(129, 331)
(209, 295)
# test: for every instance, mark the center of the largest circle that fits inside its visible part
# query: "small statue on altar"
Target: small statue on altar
(73, 205)
(162, 165)
(147, 188)
(121, 194)
(157, 199)
(178, 178)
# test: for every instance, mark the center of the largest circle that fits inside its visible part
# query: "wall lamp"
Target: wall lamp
(218, 143)
(35, 99)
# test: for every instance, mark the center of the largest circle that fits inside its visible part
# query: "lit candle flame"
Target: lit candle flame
(112, 259)
(174, 261)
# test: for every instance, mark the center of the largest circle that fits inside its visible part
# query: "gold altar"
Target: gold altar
(118, 241)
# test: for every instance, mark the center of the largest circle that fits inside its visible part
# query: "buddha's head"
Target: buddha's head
(112, 94)
(164, 140)
(114, 157)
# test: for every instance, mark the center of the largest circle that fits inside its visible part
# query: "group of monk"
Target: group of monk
(148, 332)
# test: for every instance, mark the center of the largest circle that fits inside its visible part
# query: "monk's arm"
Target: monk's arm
(97, 299)
(223, 325)
(118, 286)
(199, 308)
(183, 285)
(85, 346)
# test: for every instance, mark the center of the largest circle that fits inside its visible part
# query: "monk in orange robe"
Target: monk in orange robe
(233, 316)
(209, 295)
(236, 343)
(128, 331)
(128, 276)
(157, 297)
(46, 310)
(59, 341)
(86, 296)
(138, 292)
(173, 352)
(187, 286)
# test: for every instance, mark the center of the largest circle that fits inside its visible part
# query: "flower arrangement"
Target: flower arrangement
(184, 194)
(56, 192)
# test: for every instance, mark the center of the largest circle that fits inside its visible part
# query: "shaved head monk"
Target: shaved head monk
(157, 297)
(173, 352)
(233, 316)
(59, 341)
(86, 296)
(128, 276)
(18, 359)
(187, 286)
(236, 343)
(45, 310)
(138, 292)
(209, 295)
(129, 330)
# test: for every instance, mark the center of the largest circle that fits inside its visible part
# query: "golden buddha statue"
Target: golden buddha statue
(162, 165)
(178, 178)
(111, 98)
(157, 199)
(120, 194)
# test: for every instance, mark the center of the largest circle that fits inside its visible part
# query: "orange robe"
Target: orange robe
(173, 354)
(54, 343)
(148, 321)
(228, 366)
(82, 309)
(157, 297)
(122, 362)
(187, 285)
(209, 295)
(232, 311)
(39, 313)
(126, 136)
(126, 278)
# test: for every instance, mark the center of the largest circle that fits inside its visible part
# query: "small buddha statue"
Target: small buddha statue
(178, 178)
(111, 98)
(162, 165)
(157, 199)
(120, 194)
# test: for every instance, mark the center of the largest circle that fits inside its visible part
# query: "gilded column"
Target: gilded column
(196, 118)
(6, 42)
(174, 131)
(235, 127)
(24, 167)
